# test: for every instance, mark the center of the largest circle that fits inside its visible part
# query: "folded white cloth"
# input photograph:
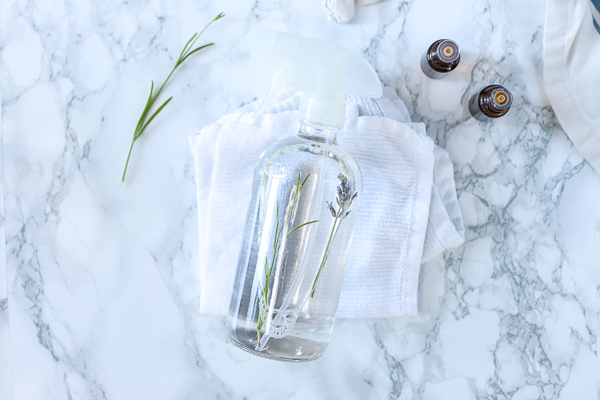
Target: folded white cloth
(572, 72)
(408, 214)
(343, 10)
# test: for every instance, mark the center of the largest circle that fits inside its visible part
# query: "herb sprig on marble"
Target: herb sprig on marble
(144, 120)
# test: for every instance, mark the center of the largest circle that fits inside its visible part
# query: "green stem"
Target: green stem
(334, 229)
(165, 82)
(127, 162)
(258, 328)
(277, 242)
(185, 53)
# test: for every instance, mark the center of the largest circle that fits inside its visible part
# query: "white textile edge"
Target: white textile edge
(557, 38)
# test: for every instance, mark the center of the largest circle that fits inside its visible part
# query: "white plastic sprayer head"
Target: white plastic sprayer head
(325, 72)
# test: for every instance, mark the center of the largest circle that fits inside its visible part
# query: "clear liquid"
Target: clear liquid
(295, 326)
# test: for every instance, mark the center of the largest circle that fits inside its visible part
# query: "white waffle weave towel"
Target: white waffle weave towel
(409, 212)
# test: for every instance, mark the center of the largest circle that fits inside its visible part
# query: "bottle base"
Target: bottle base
(276, 349)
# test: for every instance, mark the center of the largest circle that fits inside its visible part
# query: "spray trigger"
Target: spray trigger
(277, 81)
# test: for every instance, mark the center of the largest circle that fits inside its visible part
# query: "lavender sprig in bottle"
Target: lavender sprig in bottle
(345, 195)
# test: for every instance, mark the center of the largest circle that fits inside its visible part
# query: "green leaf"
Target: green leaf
(155, 114)
(299, 226)
(195, 50)
(304, 181)
(277, 222)
(149, 103)
(195, 36)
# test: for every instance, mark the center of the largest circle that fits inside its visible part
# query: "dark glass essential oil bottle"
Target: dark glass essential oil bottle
(492, 101)
(442, 57)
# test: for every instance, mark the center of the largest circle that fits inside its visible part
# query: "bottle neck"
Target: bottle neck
(318, 133)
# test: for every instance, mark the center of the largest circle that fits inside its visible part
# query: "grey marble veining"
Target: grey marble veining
(4, 332)
(100, 296)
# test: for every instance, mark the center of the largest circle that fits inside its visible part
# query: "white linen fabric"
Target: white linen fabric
(408, 213)
(341, 11)
(572, 72)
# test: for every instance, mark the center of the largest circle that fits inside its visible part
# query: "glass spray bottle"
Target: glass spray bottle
(305, 196)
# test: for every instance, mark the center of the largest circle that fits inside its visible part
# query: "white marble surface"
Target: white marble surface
(98, 295)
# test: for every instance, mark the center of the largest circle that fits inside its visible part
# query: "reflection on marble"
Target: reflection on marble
(101, 286)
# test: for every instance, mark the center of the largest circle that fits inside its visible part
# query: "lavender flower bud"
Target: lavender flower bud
(331, 209)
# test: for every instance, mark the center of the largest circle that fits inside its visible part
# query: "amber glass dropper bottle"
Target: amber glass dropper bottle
(492, 101)
(441, 57)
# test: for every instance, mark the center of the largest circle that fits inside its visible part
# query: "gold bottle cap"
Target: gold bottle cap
(495, 101)
(448, 51)
(500, 99)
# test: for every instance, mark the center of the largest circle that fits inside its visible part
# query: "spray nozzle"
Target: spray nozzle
(277, 82)
(325, 72)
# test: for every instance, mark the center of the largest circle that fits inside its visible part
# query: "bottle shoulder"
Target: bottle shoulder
(285, 159)
(312, 150)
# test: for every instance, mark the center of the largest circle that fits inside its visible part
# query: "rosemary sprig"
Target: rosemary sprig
(277, 242)
(144, 121)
